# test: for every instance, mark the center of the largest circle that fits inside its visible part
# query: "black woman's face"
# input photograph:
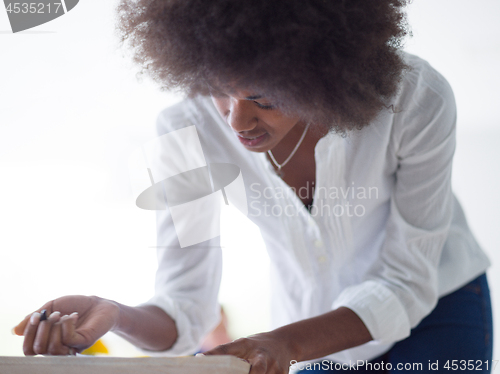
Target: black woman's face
(258, 125)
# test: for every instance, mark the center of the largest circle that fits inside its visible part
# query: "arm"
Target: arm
(188, 276)
(320, 336)
(274, 351)
(147, 327)
(401, 286)
(78, 321)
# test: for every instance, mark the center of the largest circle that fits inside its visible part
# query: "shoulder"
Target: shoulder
(423, 76)
(198, 111)
(216, 138)
(425, 106)
(423, 87)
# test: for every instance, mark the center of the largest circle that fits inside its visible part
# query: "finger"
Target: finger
(30, 333)
(258, 366)
(55, 346)
(21, 326)
(224, 349)
(43, 333)
(236, 348)
(73, 351)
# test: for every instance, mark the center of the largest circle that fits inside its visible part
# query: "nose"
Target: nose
(241, 115)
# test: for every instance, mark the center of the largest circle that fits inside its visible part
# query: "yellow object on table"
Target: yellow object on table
(98, 348)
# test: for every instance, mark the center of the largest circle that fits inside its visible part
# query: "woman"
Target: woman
(345, 146)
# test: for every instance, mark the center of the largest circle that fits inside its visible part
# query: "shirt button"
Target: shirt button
(318, 243)
(322, 259)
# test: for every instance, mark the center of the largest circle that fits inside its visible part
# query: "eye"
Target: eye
(264, 106)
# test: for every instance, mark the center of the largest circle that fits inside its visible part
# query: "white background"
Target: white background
(71, 111)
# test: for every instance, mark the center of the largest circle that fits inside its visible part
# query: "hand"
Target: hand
(74, 323)
(267, 353)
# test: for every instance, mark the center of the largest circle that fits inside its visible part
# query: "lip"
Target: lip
(253, 141)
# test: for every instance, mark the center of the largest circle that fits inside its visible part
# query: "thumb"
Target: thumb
(70, 337)
(233, 349)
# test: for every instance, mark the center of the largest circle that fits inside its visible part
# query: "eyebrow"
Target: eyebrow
(253, 97)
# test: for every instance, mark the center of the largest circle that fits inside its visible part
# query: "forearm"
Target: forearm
(323, 335)
(147, 327)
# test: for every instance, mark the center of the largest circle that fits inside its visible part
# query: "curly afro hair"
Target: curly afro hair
(334, 62)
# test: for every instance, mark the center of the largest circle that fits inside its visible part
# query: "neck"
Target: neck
(283, 149)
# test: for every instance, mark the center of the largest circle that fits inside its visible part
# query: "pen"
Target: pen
(43, 316)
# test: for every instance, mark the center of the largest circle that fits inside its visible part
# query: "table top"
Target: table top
(118, 365)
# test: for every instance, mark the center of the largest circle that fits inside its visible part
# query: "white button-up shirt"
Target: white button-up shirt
(386, 237)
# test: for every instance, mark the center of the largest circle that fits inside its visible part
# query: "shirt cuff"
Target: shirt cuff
(379, 309)
(188, 335)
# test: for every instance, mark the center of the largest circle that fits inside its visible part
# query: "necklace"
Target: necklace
(279, 166)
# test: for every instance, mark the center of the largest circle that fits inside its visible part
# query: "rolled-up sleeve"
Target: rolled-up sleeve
(402, 285)
(188, 278)
(186, 287)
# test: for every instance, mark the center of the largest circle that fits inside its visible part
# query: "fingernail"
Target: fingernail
(13, 331)
(73, 314)
(35, 318)
(54, 316)
(199, 355)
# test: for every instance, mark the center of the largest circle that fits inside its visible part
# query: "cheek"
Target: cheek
(285, 124)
